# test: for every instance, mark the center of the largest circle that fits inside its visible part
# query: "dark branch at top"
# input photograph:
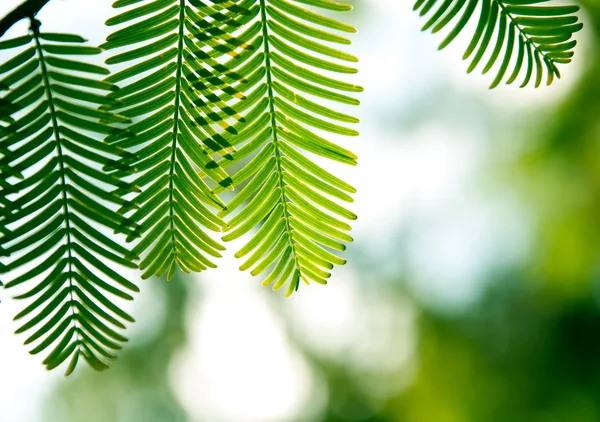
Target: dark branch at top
(28, 9)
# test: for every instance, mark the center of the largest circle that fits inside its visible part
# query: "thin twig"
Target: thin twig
(27, 9)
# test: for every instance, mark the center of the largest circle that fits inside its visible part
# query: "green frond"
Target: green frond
(176, 92)
(289, 109)
(522, 37)
(58, 205)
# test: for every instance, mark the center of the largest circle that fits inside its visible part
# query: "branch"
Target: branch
(28, 9)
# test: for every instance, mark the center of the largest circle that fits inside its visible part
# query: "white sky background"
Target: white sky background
(424, 183)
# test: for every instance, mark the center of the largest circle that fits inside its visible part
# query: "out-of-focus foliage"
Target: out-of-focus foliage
(513, 356)
(560, 174)
(528, 350)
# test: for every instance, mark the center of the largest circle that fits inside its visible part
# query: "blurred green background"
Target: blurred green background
(473, 289)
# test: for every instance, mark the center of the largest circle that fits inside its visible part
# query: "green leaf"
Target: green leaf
(180, 91)
(56, 203)
(282, 184)
(506, 27)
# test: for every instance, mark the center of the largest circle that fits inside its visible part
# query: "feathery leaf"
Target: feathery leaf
(522, 32)
(176, 92)
(56, 203)
(293, 200)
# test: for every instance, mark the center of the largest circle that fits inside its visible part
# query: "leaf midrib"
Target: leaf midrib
(535, 46)
(61, 164)
(278, 154)
(178, 75)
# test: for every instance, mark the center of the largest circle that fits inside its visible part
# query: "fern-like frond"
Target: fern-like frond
(176, 89)
(289, 109)
(522, 36)
(56, 201)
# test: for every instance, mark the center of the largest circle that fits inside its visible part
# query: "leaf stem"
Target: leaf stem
(278, 153)
(526, 38)
(176, 122)
(35, 28)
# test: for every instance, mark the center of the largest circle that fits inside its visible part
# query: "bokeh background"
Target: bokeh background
(472, 292)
